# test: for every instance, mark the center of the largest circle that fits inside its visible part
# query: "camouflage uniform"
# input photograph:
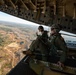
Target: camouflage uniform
(40, 44)
(58, 43)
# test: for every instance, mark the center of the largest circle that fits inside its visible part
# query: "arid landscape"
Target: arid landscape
(14, 38)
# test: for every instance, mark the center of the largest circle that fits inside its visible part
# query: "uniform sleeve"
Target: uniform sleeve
(62, 45)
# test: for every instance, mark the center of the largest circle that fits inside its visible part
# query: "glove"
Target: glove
(61, 65)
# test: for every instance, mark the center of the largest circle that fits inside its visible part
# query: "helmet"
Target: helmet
(40, 27)
(57, 27)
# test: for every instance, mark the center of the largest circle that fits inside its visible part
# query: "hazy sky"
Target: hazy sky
(10, 18)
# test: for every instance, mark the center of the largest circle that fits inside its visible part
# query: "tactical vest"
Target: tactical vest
(53, 49)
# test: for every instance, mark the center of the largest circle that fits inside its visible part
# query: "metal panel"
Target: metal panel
(22, 68)
(74, 25)
(65, 21)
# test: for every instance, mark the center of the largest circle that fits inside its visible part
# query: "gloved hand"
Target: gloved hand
(61, 65)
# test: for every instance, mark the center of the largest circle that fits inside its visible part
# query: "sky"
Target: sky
(10, 18)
